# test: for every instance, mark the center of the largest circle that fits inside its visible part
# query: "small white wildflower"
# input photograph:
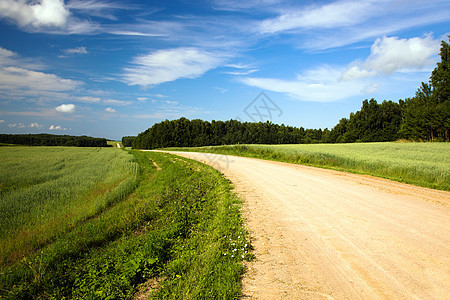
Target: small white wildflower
(242, 255)
(232, 255)
(224, 254)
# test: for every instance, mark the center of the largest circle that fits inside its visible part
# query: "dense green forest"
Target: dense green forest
(127, 141)
(425, 117)
(52, 140)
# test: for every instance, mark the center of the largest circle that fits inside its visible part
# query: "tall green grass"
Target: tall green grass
(46, 191)
(181, 228)
(423, 164)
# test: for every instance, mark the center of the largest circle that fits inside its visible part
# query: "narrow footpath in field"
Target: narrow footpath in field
(322, 234)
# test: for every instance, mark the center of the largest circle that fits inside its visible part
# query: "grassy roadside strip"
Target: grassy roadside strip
(179, 235)
(393, 161)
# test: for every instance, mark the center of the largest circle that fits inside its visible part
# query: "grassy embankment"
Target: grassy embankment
(89, 223)
(422, 164)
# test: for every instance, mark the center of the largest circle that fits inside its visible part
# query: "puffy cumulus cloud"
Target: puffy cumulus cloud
(169, 65)
(44, 13)
(66, 108)
(35, 125)
(110, 110)
(2, 121)
(16, 125)
(391, 54)
(56, 127)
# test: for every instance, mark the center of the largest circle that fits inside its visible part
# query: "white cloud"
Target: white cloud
(110, 110)
(35, 125)
(142, 98)
(66, 108)
(2, 121)
(16, 125)
(322, 84)
(169, 65)
(57, 127)
(240, 73)
(391, 54)
(78, 50)
(102, 9)
(36, 14)
(221, 90)
(388, 55)
(88, 99)
(344, 22)
(356, 72)
(6, 57)
(117, 102)
(13, 78)
(337, 14)
(370, 88)
(18, 80)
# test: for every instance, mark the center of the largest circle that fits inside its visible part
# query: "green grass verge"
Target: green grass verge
(180, 232)
(422, 164)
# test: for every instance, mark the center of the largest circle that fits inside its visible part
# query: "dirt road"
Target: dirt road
(322, 234)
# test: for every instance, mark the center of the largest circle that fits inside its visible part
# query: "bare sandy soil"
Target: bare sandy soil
(322, 234)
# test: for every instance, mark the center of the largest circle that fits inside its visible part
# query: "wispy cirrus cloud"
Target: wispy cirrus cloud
(170, 64)
(116, 102)
(321, 84)
(344, 22)
(101, 9)
(331, 15)
(13, 78)
(16, 77)
(77, 50)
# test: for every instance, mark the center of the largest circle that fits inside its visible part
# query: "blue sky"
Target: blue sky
(114, 68)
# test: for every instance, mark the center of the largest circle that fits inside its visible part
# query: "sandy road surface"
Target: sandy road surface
(321, 234)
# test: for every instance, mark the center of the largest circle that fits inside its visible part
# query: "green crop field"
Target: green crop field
(46, 191)
(104, 223)
(423, 164)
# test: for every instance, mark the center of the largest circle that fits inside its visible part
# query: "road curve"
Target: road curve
(323, 234)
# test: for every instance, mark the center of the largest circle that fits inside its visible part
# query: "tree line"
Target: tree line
(425, 117)
(52, 140)
(127, 141)
(194, 133)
